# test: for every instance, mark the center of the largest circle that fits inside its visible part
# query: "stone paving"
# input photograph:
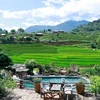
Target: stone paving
(24, 94)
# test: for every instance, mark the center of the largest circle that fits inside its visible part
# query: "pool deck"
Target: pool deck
(24, 94)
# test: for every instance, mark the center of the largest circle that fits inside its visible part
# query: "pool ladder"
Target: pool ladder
(63, 80)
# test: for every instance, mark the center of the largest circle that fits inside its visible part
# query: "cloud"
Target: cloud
(55, 12)
(27, 24)
(13, 27)
(43, 12)
(2, 25)
(46, 22)
(51, 2)
(14, 14)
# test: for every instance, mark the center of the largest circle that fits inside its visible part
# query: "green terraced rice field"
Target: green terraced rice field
(45, 54)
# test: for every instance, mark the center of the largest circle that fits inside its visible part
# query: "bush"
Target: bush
(6, 84)
(5, 61)
(96, 69)
(36, 80)
(95, 84)
(87, 72)
(80, 83)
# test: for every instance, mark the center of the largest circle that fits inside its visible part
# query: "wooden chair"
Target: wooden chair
(55, 91)
(44, 87)
(52, 95)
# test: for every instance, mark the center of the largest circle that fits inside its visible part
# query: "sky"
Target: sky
(16, 14)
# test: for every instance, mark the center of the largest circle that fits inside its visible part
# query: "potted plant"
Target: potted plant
(80, 87)
(37, 82)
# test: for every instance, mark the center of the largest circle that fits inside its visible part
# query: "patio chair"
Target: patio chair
(44, 87)
(54, 92)
(69, 91)
(52, 95)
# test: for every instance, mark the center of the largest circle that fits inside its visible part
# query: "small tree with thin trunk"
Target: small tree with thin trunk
(30, 64)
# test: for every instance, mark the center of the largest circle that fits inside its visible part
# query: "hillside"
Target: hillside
(91, 27)
(65, 26)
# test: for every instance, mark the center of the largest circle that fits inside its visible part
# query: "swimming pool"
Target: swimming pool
(54, 79)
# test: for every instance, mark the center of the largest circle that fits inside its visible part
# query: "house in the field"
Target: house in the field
(61, 31)
(3, 35)
(55, 31)
(39, 34)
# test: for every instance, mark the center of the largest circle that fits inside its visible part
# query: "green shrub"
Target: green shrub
(36, 79)
(96, 69)
(6, 84)
(95, 84)
(87, 71)
(80, 83)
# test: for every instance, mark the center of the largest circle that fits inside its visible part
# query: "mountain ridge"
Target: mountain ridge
(93, 26)
(66, 26)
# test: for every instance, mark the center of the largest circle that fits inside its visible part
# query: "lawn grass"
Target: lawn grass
(45, 54)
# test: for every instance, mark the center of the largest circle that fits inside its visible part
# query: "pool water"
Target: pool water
(28, 84)
(62, 79)
(67, 79)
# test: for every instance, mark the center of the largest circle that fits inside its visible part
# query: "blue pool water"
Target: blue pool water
(28, 85)
(54, 79)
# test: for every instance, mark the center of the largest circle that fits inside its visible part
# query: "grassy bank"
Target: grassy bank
(45, 54)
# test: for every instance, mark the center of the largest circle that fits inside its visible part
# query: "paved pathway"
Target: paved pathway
(24, 94)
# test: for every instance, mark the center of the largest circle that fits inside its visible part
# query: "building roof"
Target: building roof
(20, 67)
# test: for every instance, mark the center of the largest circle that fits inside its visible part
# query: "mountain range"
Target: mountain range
(66, 26)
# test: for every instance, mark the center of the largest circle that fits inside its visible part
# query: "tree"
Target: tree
(49, 29)
(98, 39)
(37, 39)
(94, 45)
(13, 31)
(30, 64)
(5, 31)
(1, 31)
(3, 40)
(5, 61)
(28, 39)
(20, 30)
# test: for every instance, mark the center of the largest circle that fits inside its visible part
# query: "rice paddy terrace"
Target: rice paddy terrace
(45, 54)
